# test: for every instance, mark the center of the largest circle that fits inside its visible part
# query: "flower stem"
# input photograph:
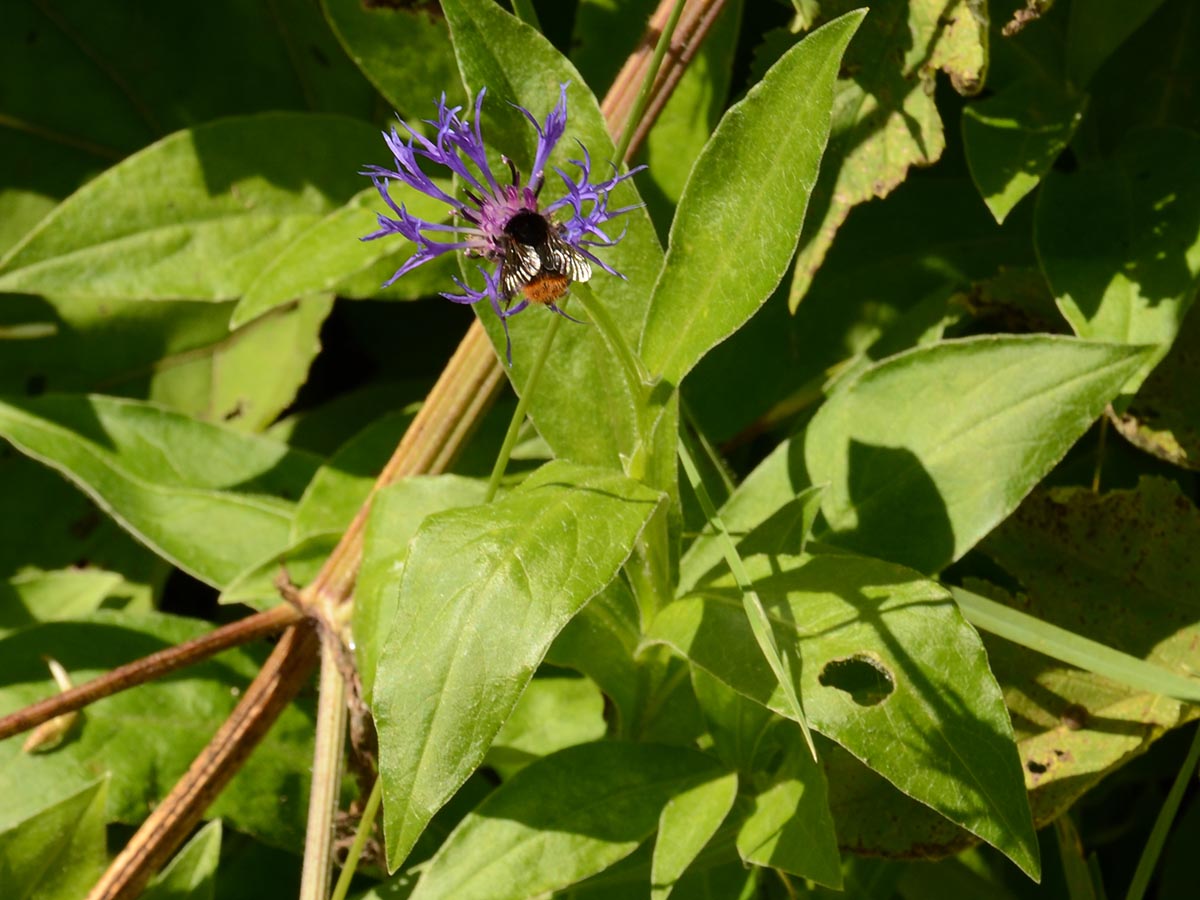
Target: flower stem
(514, 427)
(643, 99)
(631, 364)
(365, 824)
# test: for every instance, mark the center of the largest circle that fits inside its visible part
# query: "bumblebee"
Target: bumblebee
(537, 262)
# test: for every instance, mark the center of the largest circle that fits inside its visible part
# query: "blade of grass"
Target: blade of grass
(1162, 825)
(760, 624)
(1068, 647)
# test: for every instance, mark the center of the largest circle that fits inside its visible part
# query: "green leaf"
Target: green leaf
(227, 197)
(342, 485)
(560, 820)
(301, 561)
(483, 593)
(247, 379)
(404, 51)
(582, 406)
(902, 446)
(332, 252)
(1097, 28)
(51, 596)
(49, 526)
(931, 237)
(1120, 244)
(1164, 417)
(115, 86)
(889, 669)
(396, 513)
(885, 118)
(552, 714)
(146, 737)
(601, 641)
(180, 353)
(1115, 568)
(192, 874)
(744, 733)
(1013, 137)
(57, 852)
(207, 499)
(687, 823)
(783, 530)
(790, 827)
(711, 283)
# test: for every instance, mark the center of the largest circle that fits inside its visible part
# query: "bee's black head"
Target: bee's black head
(528, 228)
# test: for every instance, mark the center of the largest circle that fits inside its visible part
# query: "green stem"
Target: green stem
(514, 427)
(760, 624)
(643, 98)
(365, 824)
(631, 365)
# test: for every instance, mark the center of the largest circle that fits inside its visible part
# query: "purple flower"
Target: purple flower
(540, 249)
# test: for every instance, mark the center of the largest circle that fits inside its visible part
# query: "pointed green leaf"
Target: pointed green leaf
(192, 874)
(49, 596)
(552, 714)
(889, 669)
(731, 240)
(403, 49)
(1013, 137)
(1120, 244)
(928, 451)
(483, 593)
(58, 852)
(332, 252)
(562, 819)
(247, 378)
(396, 513)
(224, 199)
(207, 499)
(687, 823)
(790, 827)
(1097, 28)
(602, 643)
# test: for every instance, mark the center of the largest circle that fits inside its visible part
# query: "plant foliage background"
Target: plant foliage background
(921, 279)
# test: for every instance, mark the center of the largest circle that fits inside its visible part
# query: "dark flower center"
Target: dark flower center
(529, 228)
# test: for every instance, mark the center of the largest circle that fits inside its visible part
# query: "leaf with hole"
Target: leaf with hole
(888, 669)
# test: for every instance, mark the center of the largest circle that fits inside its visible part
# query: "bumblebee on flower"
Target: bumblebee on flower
(539, 250)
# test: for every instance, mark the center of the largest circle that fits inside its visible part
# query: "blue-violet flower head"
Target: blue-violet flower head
(539, 249)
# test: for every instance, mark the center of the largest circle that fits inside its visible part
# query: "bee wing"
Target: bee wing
(522, 263)
(561, 257)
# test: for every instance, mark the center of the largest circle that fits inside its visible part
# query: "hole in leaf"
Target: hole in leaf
(1035, 767)
(866, 680)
